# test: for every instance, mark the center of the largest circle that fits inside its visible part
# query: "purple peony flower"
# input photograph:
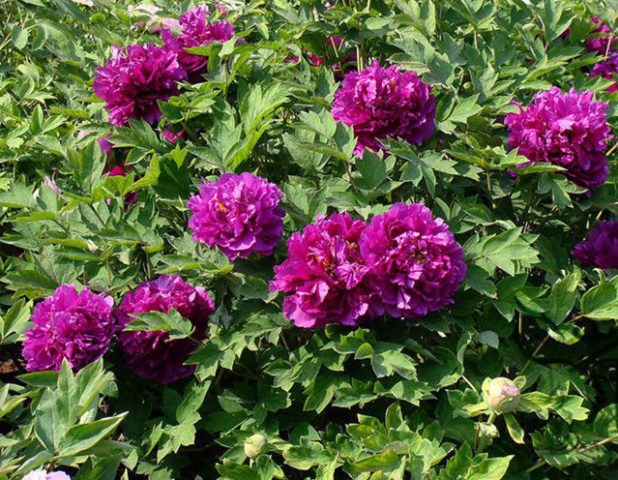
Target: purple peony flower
(239, 214)
(385, 102)
(69, 324)
(196, 31)
(566, 129)
(325, 274)
(600, 249)
(134, 79)
(416, 264)
(44, 475)
(607, 69)
(601, 42)
(152, 355)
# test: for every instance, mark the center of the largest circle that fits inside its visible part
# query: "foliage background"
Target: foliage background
(395, 399)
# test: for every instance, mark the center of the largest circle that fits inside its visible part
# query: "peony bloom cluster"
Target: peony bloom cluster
(44, 475)
(74, 325)
(416, 264)
(196, 31)
(385, 102)
(152, 355)
(134, 79)
(404, 263)
(607, 69)
(567, 129)
(239, 214)
(325, 274)
(602, 42)
(600, 249)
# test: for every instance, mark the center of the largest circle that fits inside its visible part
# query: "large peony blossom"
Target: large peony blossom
(196, 31)
(325, 274)
(607, 69)
(71, 324)
(600, 249)
(152, 355)
(44, 475)
(601, 42)
(416, 264)
(385, 102)
(134, 79)
(239, 214)
(566, 129)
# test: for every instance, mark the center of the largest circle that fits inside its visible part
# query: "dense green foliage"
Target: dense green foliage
(391, 400)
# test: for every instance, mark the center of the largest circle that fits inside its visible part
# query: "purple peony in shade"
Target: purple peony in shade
(416, 264)
(71, 324)
(239, 214)
(600, 249)
(385, 102)
(196, 31)
(45, 475)
(152, 355)
(607, 69)
(325, 274)
(567, 129)
(601, 42)
(134, 79)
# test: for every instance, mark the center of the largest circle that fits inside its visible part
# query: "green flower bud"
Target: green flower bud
(253, 445)
(501, 394)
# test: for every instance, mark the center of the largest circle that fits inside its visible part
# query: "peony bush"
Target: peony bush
(296, 239)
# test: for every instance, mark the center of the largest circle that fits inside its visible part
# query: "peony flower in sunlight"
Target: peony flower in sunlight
(152, 355)
(195, 31)
(601, 41)
(416, 264)
(70, 324)
(239, 214)
(568, 129)
(600, 249)
(385, 102)
(501, 394)
(607, 68)
(45, 475)
(325, 274)
(134, 79)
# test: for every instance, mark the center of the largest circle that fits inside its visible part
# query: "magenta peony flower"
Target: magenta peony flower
(196, 31)
(325, 274)
(607, 69)
(600, 249)
(385, 102)
(44, 475)
(152, 355)
(601, 40)
(239, 214)
(566, 129)
(171, 136)
(416, 264)
(105, 145)
(69, 324)
(134, 79)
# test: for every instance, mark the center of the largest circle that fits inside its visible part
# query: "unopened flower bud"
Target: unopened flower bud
(501, 394)
(253, 445)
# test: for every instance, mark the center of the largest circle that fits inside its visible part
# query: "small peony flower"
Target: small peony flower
(601, 42)
(152, 355)
(171, 136)
(239, 214)
(105, 145)
(196, 31)
(416, 264)
(134, 79)
(501, 394)
(69, 324)
(325, 274)
(51, 184)
(44, 475)
(254, 444)
(607, 69)
(600, 249)
(566, 129)
(385, 102)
